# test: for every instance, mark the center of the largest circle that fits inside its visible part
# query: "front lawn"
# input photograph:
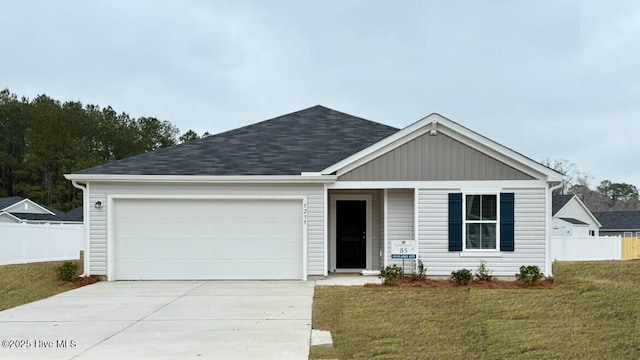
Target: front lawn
(24, 283)
(593, 312)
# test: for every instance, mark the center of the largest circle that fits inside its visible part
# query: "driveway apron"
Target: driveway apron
(164, 320)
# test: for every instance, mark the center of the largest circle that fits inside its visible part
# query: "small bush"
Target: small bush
(67, 271)
(391, 274)
(422, 272)
(462, 276)
(529, 275)
(483, 274)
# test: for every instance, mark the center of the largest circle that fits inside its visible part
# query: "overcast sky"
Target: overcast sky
(549, 79)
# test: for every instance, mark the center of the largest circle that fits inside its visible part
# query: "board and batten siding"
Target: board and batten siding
(430, 158)
(400, 222)
(99, 191)
(529, 234)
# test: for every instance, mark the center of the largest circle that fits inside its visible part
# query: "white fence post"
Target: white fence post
(27, 243)
(586, 248)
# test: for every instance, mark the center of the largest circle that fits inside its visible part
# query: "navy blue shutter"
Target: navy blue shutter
(455, 222)
(506, 221)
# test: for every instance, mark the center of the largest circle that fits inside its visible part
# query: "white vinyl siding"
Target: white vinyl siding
(98, 191)
(529, 234)
(400, 222)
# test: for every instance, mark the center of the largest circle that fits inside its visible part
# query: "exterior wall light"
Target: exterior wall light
(98, 204)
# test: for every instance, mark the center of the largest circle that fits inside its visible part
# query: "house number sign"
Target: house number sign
(403, 249)
(305, 213)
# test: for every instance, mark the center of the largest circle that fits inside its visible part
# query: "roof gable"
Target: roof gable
(435, 124)
(11, 218)
(17, 204)
(570, 206)
(434, 157)
(558, 202)
(308, 140)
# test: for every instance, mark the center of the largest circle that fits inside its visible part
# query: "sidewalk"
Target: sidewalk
(347, 280)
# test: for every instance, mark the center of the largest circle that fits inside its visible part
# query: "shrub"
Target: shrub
(391, 274)
(529, 274)
(422, 270)
(462, 276)
(484, 274)
(67, 271)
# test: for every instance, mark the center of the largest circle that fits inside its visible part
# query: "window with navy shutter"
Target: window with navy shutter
(455, 222)
(474, 220)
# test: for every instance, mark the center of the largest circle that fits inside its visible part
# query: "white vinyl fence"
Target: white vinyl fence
(586, 248)
(27, 243)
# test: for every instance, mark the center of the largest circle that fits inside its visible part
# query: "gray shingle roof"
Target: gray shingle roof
(75, 214)
(619, 220)
(308, 140)
(5, 202)
(573, 221)
(36, 217)
(558, 202)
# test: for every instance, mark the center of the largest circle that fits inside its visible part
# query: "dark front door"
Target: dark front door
(351, 234)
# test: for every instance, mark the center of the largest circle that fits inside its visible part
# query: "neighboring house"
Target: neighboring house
(19, 210)
(314, 192)
(619, 223)
(571, 217)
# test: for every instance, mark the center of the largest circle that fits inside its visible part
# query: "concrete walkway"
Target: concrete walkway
(164, 320)
(348, 280)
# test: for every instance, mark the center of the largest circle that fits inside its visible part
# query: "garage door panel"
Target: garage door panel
(217, 229)
(208, 239)
(199, 270)
(172, 208)
(203, 250)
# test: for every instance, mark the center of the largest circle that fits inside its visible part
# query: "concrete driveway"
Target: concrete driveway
(164, 320)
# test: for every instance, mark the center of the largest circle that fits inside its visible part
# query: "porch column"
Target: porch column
(386, 226)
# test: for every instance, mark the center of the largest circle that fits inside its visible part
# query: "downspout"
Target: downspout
(86, 221)
(548, 265)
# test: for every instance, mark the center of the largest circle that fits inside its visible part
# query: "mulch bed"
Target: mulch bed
(83, 281)
(493, 284)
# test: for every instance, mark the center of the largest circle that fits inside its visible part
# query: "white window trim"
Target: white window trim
(464, 222)
(624, 234)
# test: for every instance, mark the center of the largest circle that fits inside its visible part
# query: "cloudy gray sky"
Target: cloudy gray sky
(550, 79)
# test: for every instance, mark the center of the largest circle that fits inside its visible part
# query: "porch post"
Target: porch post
(326, 230)
(416, 223)
(385, 225)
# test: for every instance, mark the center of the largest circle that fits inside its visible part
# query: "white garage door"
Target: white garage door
(180, 239)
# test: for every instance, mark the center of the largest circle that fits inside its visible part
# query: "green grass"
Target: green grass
(592, 313)
(24, 283)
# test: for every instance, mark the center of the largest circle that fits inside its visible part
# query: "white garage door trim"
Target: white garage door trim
(111, 261)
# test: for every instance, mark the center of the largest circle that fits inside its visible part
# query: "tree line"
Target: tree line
(42, 139)
(606, 196)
